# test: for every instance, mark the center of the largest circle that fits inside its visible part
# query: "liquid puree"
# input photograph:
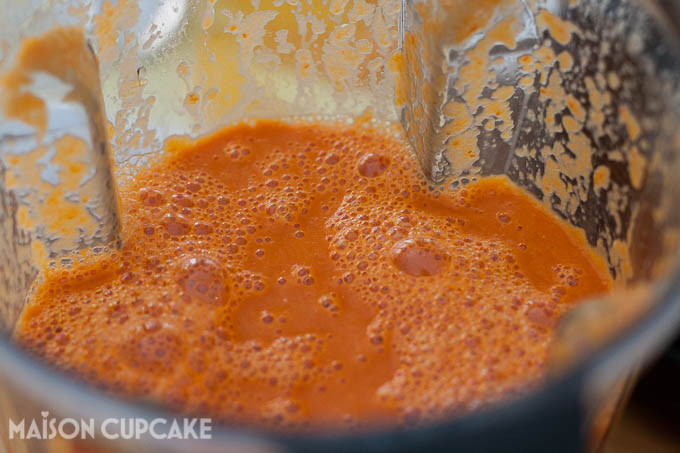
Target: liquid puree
(304, 275)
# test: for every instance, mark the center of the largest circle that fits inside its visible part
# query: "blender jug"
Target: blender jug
(575, 101)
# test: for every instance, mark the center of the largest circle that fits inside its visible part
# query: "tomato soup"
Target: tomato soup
(305, 275)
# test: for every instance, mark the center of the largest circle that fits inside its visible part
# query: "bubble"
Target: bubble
(203, 279)
(151, 197)
(419, 257)
(372, 165)
(202, 228)
(193, 187)
(266, 317)
(329, 302)
(397, 233)
(182, 200)
(176, 224)
(352, 235)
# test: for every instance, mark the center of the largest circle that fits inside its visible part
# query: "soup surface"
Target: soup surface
(304, 275)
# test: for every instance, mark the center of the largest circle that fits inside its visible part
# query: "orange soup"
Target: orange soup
(305, 275)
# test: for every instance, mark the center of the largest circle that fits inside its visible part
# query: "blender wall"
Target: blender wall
(574, 101)
(57, 194)
(188, 68)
